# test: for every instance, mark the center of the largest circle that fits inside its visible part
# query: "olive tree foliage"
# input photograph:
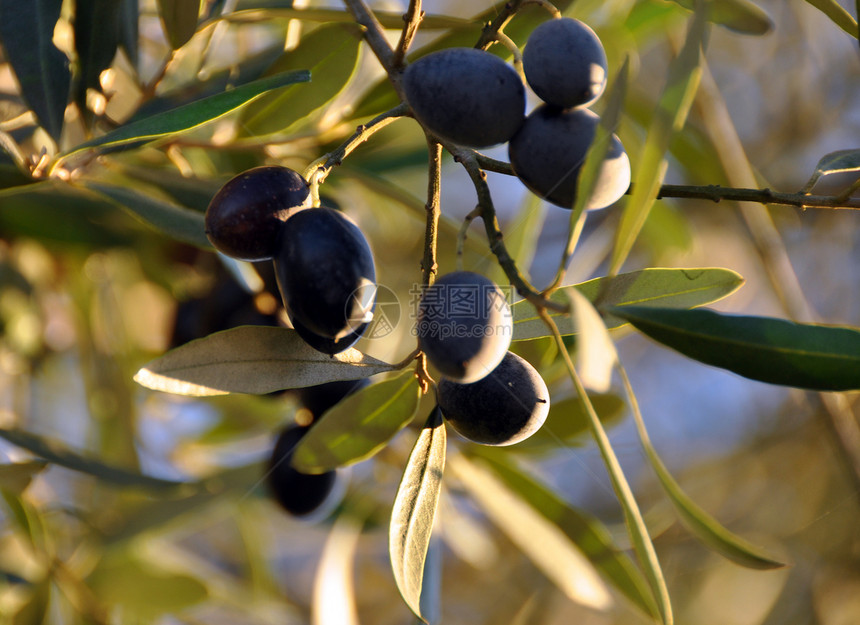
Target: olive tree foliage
(144, 375)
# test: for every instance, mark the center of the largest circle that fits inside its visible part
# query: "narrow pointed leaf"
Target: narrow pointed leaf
(16, 477)
(173, 220)
(331, 54)
(359, 426)
(252, 359)
(595, 351)
(179, 20)
(840, 161)
(27, 31)
(837, 14)
(388, 19)
(669, 118)
(741, 16)
(666, 288)
(191, 115)
(334, 589)
(539, 537)
(589, 535)
(776, 351)
(415, 509)
(57, 453)
(97, 36)
(567, 423)
(129, 30)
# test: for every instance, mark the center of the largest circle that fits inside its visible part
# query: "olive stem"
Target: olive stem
(512, 47)
(411, 21)
(433, 208)
(549, 6)
(636, 528)
(374, 34)
(318, 171)
(462, 234)
(488, 34)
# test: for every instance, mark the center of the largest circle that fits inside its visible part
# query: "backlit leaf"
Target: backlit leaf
(567, 424)
(776, 351)
(669, 118)
(359, 426)
(15, 477)
(741, 16)
(27, 31)
(331, 54)
(595, 351)
(415, 509)
(836, 162)
(191, 115)
(837, 14)
(173, 220)
(536, 533)
(252, 359)
(666, 288)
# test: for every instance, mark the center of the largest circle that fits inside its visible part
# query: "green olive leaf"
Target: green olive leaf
(179, 20)
(837, 14)
(741, 16)
(415, 509)
(840, 161)
(359, 426)
(776, 351)
(252, 359)
(656, 286)
(16, 477)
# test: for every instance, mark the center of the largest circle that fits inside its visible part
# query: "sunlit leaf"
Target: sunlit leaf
(741, 16)
(586, 532)
(776, 351)
(837, 14)
(359, 426)
(537, 534)
(656, 286)
(36, 608)
(27, 31)
(191, 115)
(670, 116)
(247, 12)
(56, 453)
(179, 20)
(595, 351)
(840, 161)
(16, 477)
(415, 509)
(567, 424)
(173, 220)
(331, 54)
(252, 359)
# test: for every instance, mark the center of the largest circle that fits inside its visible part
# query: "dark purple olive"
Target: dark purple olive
(505, 407)
(325, 272)
(549, 150)
(464, 325)
(564, 63)
(467, 96)
(244, 218)
(297, 493)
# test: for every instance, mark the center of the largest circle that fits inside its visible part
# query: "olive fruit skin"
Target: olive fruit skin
(506, 407)
(466, 96)
(320, 397)
(244, 217)
(464, 325)
(325, 272)
(298, 493)
(548, 151)
(326, 345)
(565, 63)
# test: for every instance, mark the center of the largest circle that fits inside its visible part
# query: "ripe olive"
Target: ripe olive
(505, 407)
(549, 150)
(245, 216)
(564, 63)
(467, 96)
(325, 272)
(325, 344)
(297, 493)
(464, 325)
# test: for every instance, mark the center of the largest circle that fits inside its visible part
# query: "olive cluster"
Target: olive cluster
(472, 98)
(323, 263)
(488, 394)
(326, 275)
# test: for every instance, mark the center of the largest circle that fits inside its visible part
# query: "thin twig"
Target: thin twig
(375, 36)
(462, 234)
(716, 193)
(411, 21)
(318, 171)
(488, 34)
(433, 208)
